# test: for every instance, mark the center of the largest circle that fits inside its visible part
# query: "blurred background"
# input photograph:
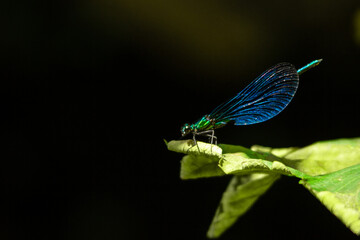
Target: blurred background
(89, 90)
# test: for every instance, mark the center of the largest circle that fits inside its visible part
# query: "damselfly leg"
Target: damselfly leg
(208, 133)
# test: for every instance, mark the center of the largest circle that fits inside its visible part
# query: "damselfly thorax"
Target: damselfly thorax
(205, 127)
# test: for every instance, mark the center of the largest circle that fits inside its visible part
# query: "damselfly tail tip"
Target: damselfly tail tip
(318, 61)
(315, 62)
(309, 66)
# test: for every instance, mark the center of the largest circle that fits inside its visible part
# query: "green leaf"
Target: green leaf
(340, 193)
(187, 147)
(242, 163)
(197, 164)
(241, 193)
(240, 160)
(329, 169)
(321, 157)
(279, 152)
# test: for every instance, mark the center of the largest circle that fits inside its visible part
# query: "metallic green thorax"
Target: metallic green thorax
(204, 124)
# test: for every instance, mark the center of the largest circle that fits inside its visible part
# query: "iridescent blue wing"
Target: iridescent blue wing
(262, 99)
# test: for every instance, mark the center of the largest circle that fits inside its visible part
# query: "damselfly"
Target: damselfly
(262, 99)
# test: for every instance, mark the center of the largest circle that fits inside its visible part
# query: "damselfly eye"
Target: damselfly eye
(185, 129)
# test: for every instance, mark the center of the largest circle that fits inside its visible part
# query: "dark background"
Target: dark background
(89, 90)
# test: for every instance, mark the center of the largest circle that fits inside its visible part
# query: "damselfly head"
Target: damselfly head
(185, 129)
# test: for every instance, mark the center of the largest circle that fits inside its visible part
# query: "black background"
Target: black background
(89, 90)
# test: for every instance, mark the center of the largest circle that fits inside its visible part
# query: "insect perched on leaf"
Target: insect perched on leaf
(262, 99)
